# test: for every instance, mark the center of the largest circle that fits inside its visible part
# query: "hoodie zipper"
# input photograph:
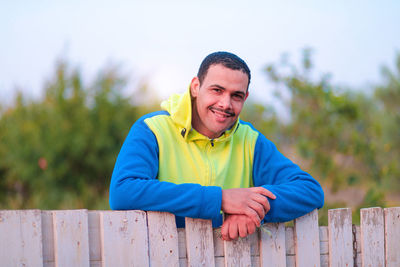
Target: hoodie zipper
(210, 165)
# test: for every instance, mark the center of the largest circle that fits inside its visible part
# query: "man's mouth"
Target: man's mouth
(222, 113)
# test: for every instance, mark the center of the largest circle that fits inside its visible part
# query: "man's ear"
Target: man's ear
(194, 87)
(247, 95)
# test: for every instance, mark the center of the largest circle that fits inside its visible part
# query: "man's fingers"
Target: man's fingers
(253, 216)
(225, 231)
(233, 231)
(259, 208)
(262, 200)
(242, 230)
(265, 192)
(251, 228)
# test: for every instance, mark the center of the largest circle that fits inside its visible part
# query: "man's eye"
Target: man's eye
(217, 90)
(238, 97)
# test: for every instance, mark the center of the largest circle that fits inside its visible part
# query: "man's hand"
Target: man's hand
(237, 225)
(251, 202)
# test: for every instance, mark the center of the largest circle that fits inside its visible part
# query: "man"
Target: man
(197, 159)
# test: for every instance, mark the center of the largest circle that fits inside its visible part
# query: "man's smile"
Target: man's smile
(221, 113)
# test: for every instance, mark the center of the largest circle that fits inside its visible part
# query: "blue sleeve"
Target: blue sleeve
(297, 193)
(134, 183)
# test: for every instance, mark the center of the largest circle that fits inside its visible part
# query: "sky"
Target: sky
(164, 42)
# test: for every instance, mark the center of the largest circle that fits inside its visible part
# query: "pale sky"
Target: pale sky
(165, 41)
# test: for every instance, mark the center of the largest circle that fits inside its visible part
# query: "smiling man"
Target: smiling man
(196, 158)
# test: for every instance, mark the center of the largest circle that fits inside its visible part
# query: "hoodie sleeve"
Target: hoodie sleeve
(297, 193)
(134, 183)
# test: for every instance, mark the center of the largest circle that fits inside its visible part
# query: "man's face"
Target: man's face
(219, 100)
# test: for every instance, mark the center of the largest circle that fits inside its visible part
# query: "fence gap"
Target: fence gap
(94, 239)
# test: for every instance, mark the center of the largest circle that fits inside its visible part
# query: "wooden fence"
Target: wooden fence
(137, 238)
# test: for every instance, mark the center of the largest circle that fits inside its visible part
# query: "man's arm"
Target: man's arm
(134, 183)
(297, 193)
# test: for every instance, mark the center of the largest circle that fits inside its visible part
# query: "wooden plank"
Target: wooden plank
(323, 240)
(124, 238)
(21, 238)
(325, 260)
(254, 240)
(341, 237)
(219, 261)
(199, 242)
(272, 245)
(357, 237)
(94, 238)
(306, 235)
(289, 241)
(392, 236)
(48, 239)
(290, 260)
(255, 261)
(323, 246)
(182, 243)
(218, 243)
(372, 237)
(71, 238)
(163, 239)
(237, 252)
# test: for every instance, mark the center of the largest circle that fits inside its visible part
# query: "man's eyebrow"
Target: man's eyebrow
(218, 86)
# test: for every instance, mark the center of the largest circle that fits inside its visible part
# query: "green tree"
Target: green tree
(59, 151)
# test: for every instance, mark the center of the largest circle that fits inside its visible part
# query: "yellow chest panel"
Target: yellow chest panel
(196, 159)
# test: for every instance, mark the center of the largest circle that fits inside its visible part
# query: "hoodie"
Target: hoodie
(166, 165)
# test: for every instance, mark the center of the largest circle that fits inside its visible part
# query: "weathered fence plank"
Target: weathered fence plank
(324, 246)
(71, 238)
(124, 238)
(48, 239)
(372, 237)
(163, 239)
(237, 252)
(392, 236)
(341, 238)
(21, 238)
(199, 242)
(112, 238)
(306, 235)
(94, 239)
(272, 245)
(290, 247)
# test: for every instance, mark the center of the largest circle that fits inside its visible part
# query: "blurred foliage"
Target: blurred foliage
(58, 152)
(344, 137)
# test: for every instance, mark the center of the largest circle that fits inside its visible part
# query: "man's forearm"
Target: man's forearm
(186, 200)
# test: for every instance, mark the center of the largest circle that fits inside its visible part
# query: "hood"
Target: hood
(179, 106)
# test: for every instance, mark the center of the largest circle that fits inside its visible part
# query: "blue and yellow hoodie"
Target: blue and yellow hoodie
(166, 165)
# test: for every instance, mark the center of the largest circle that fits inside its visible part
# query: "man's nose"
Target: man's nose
(225, 102)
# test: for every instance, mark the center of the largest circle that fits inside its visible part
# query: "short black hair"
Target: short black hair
(226, 59)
